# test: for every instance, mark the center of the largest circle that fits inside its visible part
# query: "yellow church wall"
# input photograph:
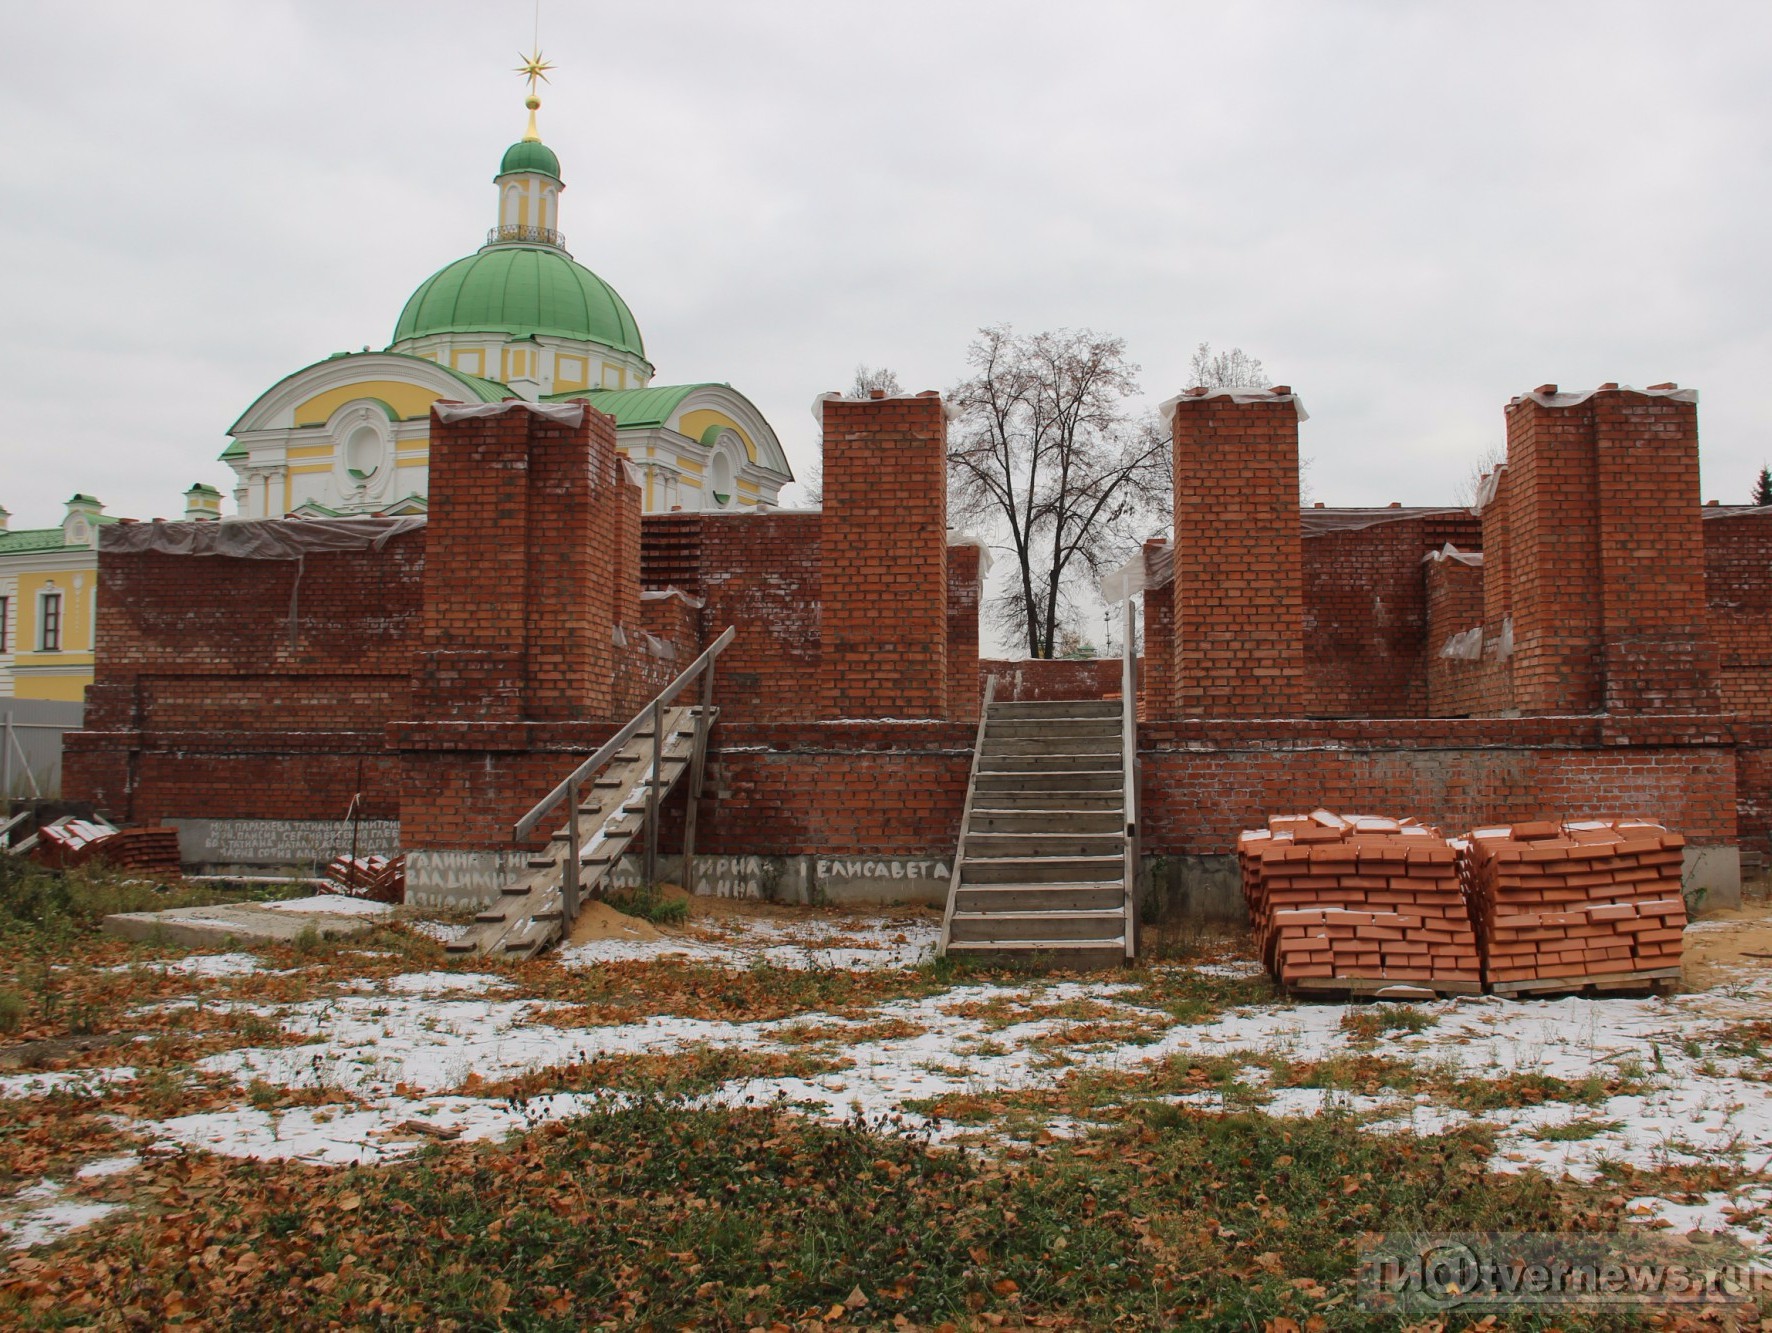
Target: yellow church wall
(74, 659)
(309, 451)
(471, 360)
(695, 425)
(570, 372)
(406, 400)
(62, 689)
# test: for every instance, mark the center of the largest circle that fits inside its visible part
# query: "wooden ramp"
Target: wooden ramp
(531, 913)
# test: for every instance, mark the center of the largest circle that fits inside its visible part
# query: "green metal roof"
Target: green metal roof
(30, 539)
(520, 290)
(633, 407)
(530, 155)
(485, 390)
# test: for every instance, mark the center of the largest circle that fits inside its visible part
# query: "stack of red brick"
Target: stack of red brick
(1556, 902)
(1358, 900)
(71, 842)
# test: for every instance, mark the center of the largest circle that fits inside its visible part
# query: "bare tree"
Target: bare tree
(1234, 369)
(1042, 446)
(867, 379)
(1465, 493)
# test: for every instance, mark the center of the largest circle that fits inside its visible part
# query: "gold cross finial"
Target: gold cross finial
(534, 67)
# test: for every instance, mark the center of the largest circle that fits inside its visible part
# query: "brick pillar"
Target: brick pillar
(964, 587)
(1498, 587)
(1156, 681)
(1554, 552)
(1659, 653)
(525, 537)
(1239, 587)
(883, 558)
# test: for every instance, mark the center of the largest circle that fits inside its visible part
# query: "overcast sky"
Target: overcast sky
(1410, 212)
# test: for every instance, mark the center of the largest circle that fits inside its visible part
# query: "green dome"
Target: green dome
(520, 290)
(530, 155)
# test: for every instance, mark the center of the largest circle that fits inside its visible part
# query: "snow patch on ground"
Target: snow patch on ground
(41, 1213)
(803, 945)
(331, 904)
(72, 1082)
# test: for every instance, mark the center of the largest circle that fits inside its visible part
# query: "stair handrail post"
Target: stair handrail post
(697, 771)
(947, 916)
(1129, 773)
(652, 784)
(6, 760)
(574, 862)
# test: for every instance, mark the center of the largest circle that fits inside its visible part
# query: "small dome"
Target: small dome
(530, 155)
(520, 290)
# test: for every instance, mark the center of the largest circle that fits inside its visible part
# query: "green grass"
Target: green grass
(655, 1214)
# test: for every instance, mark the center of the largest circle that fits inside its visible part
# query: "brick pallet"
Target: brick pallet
(1586, 906)
(1358, 906)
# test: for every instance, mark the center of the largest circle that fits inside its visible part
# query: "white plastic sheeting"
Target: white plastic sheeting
(258, 538)
(1577, 397)
(1146, 569)
(1167, 407)
(1465, 647)
(971, 539)
(1451, 552)
(567, 414)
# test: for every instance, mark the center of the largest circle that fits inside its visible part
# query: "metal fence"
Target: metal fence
(31, 744)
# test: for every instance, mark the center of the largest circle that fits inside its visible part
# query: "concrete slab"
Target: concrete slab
(249, 923)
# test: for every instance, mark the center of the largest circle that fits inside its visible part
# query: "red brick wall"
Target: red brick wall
(520, 606)
(204, 704)
(1366, 615)
(965, 588)
(1156, 677)
(883, 571)
(1554, 528)
(1456, 773)
(1659, 654)
(760, 574)
(1457, 687)
(1738, 590)
(1239, 611)
(1032, 679)
(1497, 547)
(836, 787)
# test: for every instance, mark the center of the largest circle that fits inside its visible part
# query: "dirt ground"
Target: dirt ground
(1727, 944)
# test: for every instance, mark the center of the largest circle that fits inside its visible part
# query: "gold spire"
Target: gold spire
(534, 67)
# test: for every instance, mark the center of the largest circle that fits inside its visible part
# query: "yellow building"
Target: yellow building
(49, 598)
(517, 318)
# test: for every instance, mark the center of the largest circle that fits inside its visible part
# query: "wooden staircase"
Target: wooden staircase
(1048, 843)
(611, 798)
(530, 913)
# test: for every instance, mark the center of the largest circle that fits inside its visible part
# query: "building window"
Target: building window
(5, 609)
(49, 620)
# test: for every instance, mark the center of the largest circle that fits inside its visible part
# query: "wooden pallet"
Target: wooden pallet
(527, 917)
(1378, 988)
(1658, 981)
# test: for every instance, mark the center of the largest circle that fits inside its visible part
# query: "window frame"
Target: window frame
(49, 622)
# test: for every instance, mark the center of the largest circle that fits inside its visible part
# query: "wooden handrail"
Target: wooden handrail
(1129, 767)
(984, 712)
(613, 746)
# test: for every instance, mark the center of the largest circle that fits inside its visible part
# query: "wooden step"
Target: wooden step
(1044, 844)
(1042, 869)
(1097, 925)
(1047, 818)
(1057, 896)
(1075, 956)
(1057, 708)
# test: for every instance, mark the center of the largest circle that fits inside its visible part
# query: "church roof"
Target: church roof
(31, 539)
(634, 407)
(519, 290)
(530, 155)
